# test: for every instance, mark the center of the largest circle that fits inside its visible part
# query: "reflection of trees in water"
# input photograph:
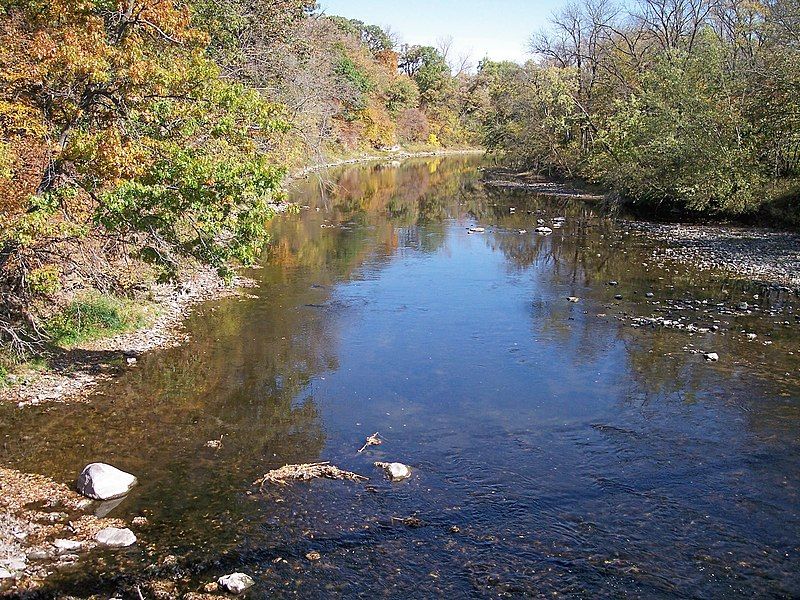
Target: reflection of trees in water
(592, 249)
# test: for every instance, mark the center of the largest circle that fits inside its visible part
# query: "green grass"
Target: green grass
(96, 316)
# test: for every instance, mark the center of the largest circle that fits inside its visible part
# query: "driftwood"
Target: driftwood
(307, 472)
(372, 440)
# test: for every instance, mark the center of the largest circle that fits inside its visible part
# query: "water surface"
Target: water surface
(556, 449)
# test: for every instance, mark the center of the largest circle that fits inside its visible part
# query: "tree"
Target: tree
(141, 147)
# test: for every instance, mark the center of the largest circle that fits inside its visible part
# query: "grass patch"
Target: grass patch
(96, 316)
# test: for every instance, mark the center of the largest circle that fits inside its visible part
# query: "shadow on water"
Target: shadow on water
(557, 449)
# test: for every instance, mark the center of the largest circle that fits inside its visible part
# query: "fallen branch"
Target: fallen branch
(307, 472)
(372, 440)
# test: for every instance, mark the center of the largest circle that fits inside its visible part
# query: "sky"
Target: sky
(497, 29)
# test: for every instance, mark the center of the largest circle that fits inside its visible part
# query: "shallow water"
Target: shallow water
(556, 449)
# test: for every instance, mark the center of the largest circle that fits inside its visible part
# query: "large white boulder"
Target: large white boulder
(100, 481)
(115, 537)
(236, 583)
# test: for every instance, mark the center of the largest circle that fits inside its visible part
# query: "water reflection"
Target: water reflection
(557, 449)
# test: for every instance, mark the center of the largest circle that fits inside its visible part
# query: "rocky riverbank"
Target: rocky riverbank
(764, 256)
(44, 526)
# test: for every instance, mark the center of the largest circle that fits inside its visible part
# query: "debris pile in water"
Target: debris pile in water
(307, 472)
(372, 440)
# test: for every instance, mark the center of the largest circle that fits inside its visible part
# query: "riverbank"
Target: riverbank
(43, 527)
(398, 155)
(763, 255)
(71, 375)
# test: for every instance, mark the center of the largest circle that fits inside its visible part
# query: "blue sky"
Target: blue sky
(499, 29)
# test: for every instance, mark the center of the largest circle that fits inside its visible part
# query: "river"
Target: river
(557, 449)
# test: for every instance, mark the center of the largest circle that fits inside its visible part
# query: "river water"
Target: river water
(557, 449)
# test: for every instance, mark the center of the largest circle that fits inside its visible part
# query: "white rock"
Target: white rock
(711, 356)
(15, 563)
(115, 537)
(67, 545)
(396, 471)
(574, 299)
(236, 583)
(544, 230)
(100, 481)
(5, 574)
(477, 229)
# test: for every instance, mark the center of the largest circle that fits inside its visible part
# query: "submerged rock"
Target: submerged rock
(396, 471)
(236, 583)
(100, 481)
(115, 537)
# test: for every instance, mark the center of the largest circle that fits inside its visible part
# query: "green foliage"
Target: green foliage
(676, 143)
(700, 115)
(93, 317)
(402, 94)
(429, 70)
(373, 37)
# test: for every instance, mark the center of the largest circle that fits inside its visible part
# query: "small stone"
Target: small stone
(313, 555)
(751, 336)
(64, 546)
(139, 521)
(115, 537)
(574, 299)
(236, 583)
(477, 230)
(543, 230)
(711, 356)
(649, 294)
(613, 283)
(618, 297)
(211, 588)
(131, 361)
(5, 574)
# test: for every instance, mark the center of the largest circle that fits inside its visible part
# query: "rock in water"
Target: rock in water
(236, 583)
(396, 471)
(115, 537)
(544, 230)
(100, 481)
(574, 299)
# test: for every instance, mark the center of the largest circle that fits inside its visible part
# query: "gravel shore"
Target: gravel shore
(764, 256)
